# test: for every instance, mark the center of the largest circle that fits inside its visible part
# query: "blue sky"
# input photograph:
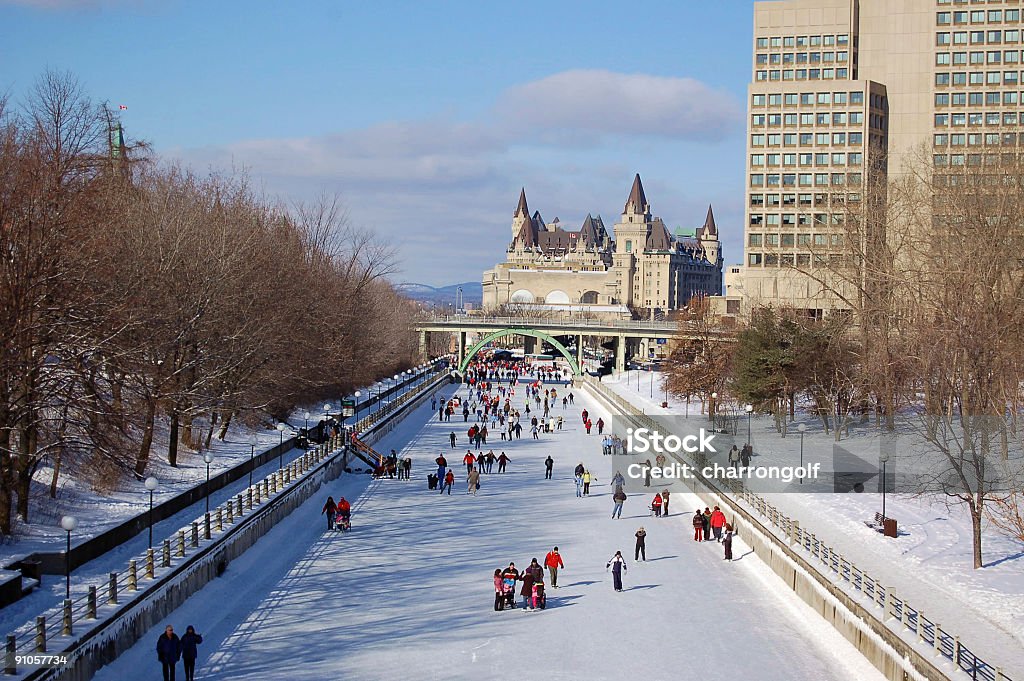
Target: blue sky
(425, 118)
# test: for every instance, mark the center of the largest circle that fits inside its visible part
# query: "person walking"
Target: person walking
(647, 473)
(189, 651)
(449, 480)
(619, 498)
(698, 526)
(407, 466)
(330, 508)
(481, 462)
(469, 460)
(168, 651)
(717, 523)
(656, 505)
(490, 460)
(473, 481)
(727, 541)
(549, 465)
(745, 455)
(664, 502)
(618, 566)
(578, 477)
(734, 457)
(451, 438)
(641, 546)
(707, 524)
(600, 426)
(442, 464)
(553, 561)
(618, 480)
(502, 462)
(586, 483)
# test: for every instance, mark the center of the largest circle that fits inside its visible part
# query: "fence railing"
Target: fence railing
(53, 631)
(908, 618)
(660, 325)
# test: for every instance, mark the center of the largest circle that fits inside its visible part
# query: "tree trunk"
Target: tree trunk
(142, 460)
(224, 426)
(172, 442)
(976, 513)
(213, 424)
(186, 428)
(56, 472)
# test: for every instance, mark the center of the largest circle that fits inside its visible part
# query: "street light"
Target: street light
(208, 458)
(280, 447)
(252, 454)
(803, 429)
(357, 395)
(883, 458)
(750, 411)
(714, 405)
(305, 422)
(151, 484)
(69, 523)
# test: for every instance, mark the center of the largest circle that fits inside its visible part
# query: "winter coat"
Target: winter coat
(329, 508)
(657, 501)
(698, 520)
(189, 641)
(344, 506)
(468, 459)
(549, 462)
(579, 470)
(706, 519)
(441, 461)
(168, 649)
(717, 519)
(449, 477)
(641, 536)
(617, 564)
(553, 560)
(527, 579)
(498, 584)
(586, 478)
(474, 478)
(535, 571)
(619, 496)
(503, 459)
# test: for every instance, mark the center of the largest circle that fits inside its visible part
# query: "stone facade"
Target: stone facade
(639, 268)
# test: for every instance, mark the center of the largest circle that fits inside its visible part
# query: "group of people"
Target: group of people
(612, 445)
(390, 466)
(713, 525)
(170, 648)
(339, 513)
(741, 457)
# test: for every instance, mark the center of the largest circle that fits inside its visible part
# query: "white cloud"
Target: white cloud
(610, 103)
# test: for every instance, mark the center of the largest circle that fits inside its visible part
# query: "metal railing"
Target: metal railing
(554, 322)
(926, 631)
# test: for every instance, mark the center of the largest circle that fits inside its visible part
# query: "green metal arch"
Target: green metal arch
(518, 332)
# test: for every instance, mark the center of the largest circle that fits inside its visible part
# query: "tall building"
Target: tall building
(845, 95)
(639, 268)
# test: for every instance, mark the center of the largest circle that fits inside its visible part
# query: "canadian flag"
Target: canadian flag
(122, 107)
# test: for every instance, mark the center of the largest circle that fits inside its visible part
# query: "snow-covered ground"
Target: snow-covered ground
(929, 564)
(408, 593)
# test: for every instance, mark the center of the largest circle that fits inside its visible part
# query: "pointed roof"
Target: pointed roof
(522, 210)
(658, 239)
(527, 234)
(710, 228)
(636, 198)
(588, 232)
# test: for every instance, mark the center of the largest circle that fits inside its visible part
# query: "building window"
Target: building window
(629, 244)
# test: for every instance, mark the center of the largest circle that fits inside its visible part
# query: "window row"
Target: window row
(979, 57)
(992, 139)
(813, 57)
(943, 120)
(836, 159)
(806, 139)
(791, 240)
(804, 179)
(972, 38)
(979, 78)
(808, 98)
(759, 201)
(835, 118)
(803, 74)
(977, 98)
(795, 259)
(978, 16)
(804, 41)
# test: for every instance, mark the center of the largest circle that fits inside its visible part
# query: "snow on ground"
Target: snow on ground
(929, 564)
(408, 593)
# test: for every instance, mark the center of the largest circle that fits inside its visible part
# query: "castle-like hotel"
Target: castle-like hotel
(639, 269)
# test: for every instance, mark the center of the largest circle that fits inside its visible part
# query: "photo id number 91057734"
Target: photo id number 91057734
(41, 660)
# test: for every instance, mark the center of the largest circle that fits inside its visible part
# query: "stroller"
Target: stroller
(540, 600)
(343, 521)
(508, 593)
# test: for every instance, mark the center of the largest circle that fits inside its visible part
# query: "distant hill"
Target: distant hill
(472, 292)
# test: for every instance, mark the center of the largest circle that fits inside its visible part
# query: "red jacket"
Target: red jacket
(553, 560)
(657, 500)
(449, 477)
(343, 506)
(468, 459)
(717, 519)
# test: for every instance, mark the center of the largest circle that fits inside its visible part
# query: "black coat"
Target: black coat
(168, 649)
(640, 538)
(189, 641)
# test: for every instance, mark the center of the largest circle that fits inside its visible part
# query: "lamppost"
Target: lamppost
(714, 406)
(252, 454)
(883, 458)
(151, 484)
(459, 301)
(652, 381)
(802, 429)
(750, 411)
(280, 446)
(69, 523)
(208, 458)
(305, 423)
(357, 395)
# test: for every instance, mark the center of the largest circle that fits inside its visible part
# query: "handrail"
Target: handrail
(930, 633)
(512, 322)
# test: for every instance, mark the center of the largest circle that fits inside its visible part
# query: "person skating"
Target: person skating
(647, 473)
(442, 464)
(698, 526)
(549, 465)
(502, 462)
(451, 438)
(727, 541)
(619, 498)
(472, 481)
(656, 505)
(587, 424)
(587, 479)
(330, 508)
(600, 426)
(490, 460)
(618, 480)
(469, 460)
(407, 466)
(579, 485)
(618, 566)
(168, 651)
(717, 523)
(707, 523)
(481, 462)
(664, 504)
(553, 561)
(579, 469)
(499, 590)
(641, 545)
(344, 512)
(189, 651)
(449, 480)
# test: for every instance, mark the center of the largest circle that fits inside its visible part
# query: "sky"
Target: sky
(424, 118)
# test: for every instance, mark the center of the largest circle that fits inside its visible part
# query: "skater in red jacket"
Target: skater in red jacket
(717, 523)
(553, 561)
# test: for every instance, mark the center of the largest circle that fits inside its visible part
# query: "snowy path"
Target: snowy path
(408, 594)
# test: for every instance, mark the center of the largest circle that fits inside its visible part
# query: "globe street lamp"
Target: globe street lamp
(151, 484)
(714, 405)
(305, 423)
(208, 458)
(280, 446)
(252, 454)
(750, 412)
(802, 429)
(357, 395)
(69, 523)
(883, 458)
